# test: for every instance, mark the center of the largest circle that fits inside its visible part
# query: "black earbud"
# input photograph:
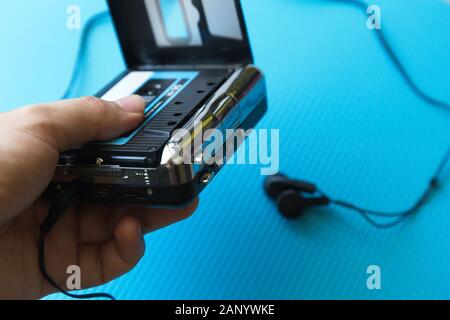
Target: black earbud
(293, 197)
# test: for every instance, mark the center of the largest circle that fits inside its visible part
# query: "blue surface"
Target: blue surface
(347, 121)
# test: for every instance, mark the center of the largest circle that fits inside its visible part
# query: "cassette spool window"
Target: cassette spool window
(179, 22)
(181, 32)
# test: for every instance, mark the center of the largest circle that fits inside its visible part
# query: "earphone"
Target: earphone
(295, 197)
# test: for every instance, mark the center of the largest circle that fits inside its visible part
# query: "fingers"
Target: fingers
(111, 238)
(97, 222)
(108, 260)
(109, 242)
(103, 263)
(152, 219)
(129, 245)
(69, 123)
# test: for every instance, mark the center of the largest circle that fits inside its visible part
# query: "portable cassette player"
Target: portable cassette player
(191, 62)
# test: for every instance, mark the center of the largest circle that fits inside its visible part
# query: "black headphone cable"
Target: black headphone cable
(401, 215)
(65, 198)
(436, 179)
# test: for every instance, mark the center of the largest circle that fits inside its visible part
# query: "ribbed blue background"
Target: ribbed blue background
(347, 121)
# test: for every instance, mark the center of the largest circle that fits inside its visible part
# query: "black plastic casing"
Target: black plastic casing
(216, 60)
(141, 52)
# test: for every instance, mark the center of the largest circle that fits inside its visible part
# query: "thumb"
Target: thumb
(69, 123)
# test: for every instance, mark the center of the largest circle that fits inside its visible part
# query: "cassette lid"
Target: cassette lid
(181, 32)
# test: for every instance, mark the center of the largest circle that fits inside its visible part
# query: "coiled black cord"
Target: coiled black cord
(408, 79)
(400, 216)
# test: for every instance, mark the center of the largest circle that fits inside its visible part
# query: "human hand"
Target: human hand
(104, 241)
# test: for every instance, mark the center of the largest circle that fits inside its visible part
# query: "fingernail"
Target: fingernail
(132, 104)
(139, 231)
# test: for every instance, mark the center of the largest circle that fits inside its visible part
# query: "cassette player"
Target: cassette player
(192, 63)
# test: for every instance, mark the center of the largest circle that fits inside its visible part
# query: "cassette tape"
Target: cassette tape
(191, 62)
